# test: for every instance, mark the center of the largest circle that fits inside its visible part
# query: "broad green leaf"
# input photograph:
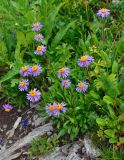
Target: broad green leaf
(114, 67)
(21, 38)
(107, 100)
(110, 132)
(100, 122)
(113, 140)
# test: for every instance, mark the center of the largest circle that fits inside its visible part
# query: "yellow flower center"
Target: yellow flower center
(36, 25)
(59, 107)
(80, 85)
(7, 109)
(62, 70)
(34, 68)
(39, 48)
(38, 36)
(33, 93)
(24, 68)
(51, 108)
(22, 83)
(103, 10)
(65, 83)
(83, 58)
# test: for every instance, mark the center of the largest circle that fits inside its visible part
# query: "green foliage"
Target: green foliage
(112, 153)
(111, 128)
(43, 145)
(71, 29)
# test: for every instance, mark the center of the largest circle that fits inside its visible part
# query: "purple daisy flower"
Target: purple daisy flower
(23, 85)
(50, 108)
(36, 26)
(66, 83)
(103, 12)
(34, 95)
(35, 70)
(40, 50)
(59, 107)
(63, 72)
(7, 107)
(82, 87)
(25, 71)
(38, 37)
(85, 61)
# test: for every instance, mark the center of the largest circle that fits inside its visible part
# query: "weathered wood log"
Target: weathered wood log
(5, 155)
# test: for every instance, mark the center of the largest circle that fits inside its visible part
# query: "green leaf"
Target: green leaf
(106, 58)
(121, 83)
(114, 67)
(71, 119)
(110, 85)
(62, 132)
(121, 139)
(120, 46)
(94, 95)
(111, 111)
(11, 73)
(121, 117)
(14, 82)
(113, 140)
(21, 38)
(29, 37)
(107, 100)
(51, 20)
(110, 132)
(61, 34)
(14, 4)
(100, 122)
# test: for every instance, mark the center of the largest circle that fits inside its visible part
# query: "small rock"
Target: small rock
(56, 155)
(73, 152)
(29, 112)
(19, 110)
(4, 126)
(76, 146)
(91, 149)
(29, 121)
(1, 129)
(32, 123)
(10, 141)
(32, 105)
(35, 117)
(49, 133)
(65, 149)
(83, 150)
(38, 121)
(73, 156)
(25, 153)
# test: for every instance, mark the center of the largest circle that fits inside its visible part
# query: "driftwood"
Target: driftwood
(12, 131)
(6, 155)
